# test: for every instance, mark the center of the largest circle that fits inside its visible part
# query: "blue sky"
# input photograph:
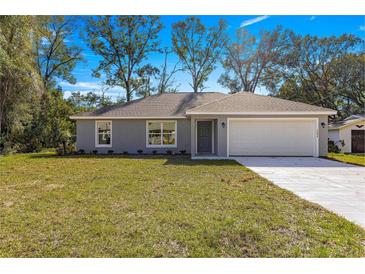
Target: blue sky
(313, 25)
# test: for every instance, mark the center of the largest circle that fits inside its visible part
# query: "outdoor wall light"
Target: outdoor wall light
(323, 124)
(223, 124)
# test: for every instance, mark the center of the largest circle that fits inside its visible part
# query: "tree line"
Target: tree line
(35, 54)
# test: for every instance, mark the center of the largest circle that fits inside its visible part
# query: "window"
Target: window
(103, 133)
(161, 133)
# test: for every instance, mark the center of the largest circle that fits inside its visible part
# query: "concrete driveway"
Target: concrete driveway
(336, 186)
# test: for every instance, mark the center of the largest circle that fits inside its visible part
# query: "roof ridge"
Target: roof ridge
(220, 99)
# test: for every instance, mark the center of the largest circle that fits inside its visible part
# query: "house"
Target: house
(349, 134)
(207, 124)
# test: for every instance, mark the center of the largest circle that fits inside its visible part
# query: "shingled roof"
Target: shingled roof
(348, 121)
(180, 104)
(166, 105)
(247, 102)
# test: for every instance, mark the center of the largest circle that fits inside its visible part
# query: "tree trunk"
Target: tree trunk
(128, 92)
(64, 147)
(195, 85)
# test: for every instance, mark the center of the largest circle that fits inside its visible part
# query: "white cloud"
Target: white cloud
(254, 20)
(68, 93)
(362, 27)
(80, 85)
(312, 18)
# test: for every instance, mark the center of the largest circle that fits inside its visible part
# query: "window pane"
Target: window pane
(104, 139)
(103, 126)
(154, 139)
(169, 139)
(104, 133)
(154, 127)
(168, 127)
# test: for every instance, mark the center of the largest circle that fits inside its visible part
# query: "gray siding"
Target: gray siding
(128, 135)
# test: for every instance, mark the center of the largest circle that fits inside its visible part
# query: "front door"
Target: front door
(204, 136)
(358, 141)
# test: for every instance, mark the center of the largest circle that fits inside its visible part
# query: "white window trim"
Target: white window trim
(162, 145)
(97, 133)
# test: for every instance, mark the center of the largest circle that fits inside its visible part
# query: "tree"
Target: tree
(327, 72)
(124, 43)
(247, 59)
(58, 128)
(89, 101)
(146, 75)
(166, 82)
(348, 73)
(54, 58)
(18, 79)
(198, 48)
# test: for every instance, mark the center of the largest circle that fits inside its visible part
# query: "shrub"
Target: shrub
(183, 152)
(71, 148)
(140, 151)
(95, 152)
(168, 152)
(81, 151)
(60, 150)
(332, 146)
(154, 152)
(125, 152)
(9, 149)
(110, 151)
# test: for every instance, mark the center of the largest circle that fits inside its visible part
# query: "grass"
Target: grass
(357, 159)
(120, 206)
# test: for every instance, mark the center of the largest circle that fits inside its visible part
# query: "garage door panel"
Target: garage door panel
(272, 137)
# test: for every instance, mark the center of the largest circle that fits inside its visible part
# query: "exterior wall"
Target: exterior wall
(222, 131)
(220, 134)
(345, 135)
(129, 136)
(334, 135)
(323, 136)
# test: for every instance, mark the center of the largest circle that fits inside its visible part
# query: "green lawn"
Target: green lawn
(358, 159)
(158, 206)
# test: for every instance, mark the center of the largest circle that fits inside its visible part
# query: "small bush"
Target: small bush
(60, 150)
(125, 152)
(110, 151)
(81, 151)
(168, 152)
(140, 151)
(333, 147)
(183, 152)
(71, 149)
(9, 149)
(154, 152)
(95, 152)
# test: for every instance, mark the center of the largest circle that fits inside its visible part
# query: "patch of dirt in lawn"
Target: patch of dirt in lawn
(8, 203)
(53, 186)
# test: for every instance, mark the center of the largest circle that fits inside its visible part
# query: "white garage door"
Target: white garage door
(273, 137)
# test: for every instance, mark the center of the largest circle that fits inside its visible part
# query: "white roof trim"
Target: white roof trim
(265, 113)
(123, 118)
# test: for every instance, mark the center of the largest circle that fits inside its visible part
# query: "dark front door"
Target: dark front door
(204, 136)
(357, 141)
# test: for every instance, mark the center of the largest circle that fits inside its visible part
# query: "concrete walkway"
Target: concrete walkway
(336, 186)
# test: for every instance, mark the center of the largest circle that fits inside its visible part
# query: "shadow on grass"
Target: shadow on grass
(169, 159)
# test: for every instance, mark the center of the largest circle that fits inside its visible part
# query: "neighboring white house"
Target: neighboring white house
(350, 132)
